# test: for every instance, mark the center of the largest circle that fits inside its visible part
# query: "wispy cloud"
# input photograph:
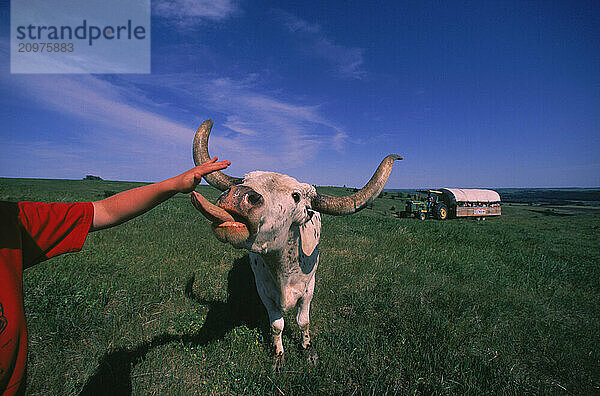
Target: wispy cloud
(280, 133)
(347, 61)
(144, 117)
(297, 25)
(191, 12)
(339, 140)
(100, 101)
(258, 130)
(108, 128)
(235, 124)
(295, 131)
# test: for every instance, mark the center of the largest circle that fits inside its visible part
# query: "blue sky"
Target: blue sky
(472, 94)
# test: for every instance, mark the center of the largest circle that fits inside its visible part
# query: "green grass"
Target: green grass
(505, 306)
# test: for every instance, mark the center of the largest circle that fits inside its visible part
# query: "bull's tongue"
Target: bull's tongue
(225, 228)
(212, 212)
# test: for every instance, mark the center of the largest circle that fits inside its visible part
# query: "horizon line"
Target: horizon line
(344, 186)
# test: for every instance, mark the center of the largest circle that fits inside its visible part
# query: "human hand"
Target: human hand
(187, 181)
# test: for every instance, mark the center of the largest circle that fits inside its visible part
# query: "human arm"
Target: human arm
(128, 204)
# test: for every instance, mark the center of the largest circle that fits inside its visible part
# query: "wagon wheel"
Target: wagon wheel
(441, 211)
(422, 215)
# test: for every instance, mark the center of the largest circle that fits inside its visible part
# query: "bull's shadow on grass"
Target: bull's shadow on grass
(243, 306)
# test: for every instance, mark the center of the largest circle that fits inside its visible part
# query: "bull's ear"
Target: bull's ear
(310, 232)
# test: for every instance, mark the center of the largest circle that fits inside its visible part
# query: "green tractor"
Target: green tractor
(428, 204)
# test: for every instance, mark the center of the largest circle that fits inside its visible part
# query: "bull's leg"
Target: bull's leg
(276, 331)
(263, 278)
(277, 323)
(303, 319)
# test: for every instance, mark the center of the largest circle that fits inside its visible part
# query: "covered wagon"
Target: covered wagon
(471, 202)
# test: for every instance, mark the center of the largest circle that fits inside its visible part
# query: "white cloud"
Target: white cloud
(126, 118)
(238, 126)
(293, 133)
(271, 133)
(99, 101)
(265, 132)
(115, 135)
(339, 140)
(295, 24)
(190, 12)
(347, 61)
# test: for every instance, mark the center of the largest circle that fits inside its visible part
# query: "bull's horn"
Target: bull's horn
(216, 179)
(353, 203)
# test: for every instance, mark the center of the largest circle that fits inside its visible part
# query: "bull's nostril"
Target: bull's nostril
(254, 198)
(223, 195)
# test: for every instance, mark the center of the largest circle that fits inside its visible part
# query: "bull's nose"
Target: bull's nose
(240, 199)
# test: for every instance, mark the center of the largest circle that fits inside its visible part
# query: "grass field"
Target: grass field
(510, 305)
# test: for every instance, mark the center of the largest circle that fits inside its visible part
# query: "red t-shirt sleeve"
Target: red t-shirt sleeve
(55, 228)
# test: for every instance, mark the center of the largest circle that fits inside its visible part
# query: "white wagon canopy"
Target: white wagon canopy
(472, 195)
(464, 202)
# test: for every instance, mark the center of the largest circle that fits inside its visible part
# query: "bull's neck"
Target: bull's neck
(284, 261)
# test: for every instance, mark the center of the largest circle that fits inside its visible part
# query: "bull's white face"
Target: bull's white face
(287, 202)
(268, 204)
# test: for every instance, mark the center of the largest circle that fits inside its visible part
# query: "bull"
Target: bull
(278, 220)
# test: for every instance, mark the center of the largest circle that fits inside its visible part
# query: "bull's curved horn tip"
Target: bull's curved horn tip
(207, 123)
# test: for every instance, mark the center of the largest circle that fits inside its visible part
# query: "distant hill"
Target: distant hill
(564, 196)
(555, 196)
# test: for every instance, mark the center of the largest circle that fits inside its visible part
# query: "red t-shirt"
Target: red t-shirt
(30, 232)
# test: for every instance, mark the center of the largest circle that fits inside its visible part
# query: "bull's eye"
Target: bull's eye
(296, 197)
